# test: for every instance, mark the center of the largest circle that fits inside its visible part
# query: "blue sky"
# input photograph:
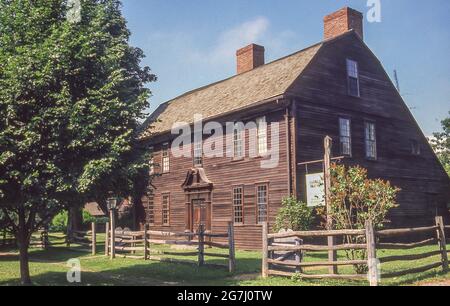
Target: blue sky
(192, 43)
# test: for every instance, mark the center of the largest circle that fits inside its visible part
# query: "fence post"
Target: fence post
(298, 255)
(107, 239)
(94, 238)
(113, 234)
(442, 242)
(371, 254)
(232, 251)
(201, 245)
(146, 250)
(265, 250)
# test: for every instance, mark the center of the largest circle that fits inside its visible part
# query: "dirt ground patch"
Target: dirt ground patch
(438, 283)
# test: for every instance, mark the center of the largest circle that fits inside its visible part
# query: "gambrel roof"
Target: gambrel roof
(236, 93)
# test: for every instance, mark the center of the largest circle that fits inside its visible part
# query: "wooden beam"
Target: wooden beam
(265, 250)
(312, 234)
(442, 242)
(372, 255)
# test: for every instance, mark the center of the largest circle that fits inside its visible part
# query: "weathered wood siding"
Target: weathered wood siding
(225, 173)
(322, 99)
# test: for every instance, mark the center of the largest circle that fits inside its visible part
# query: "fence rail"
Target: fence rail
(371, 244)
(86, 239)
(128, 243)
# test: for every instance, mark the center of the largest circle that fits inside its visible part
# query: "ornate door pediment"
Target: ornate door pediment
(196, 179)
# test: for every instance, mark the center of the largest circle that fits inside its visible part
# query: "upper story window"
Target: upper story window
(415, 147)
(371, 140)
(262, 202)
(238, 141)
(238, 205)
(345, 136)
(353, 78)
(262, 135)
(151, 162)
(165, 158)
(198, 153)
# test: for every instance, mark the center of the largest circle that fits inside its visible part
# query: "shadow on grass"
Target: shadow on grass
(151, 273)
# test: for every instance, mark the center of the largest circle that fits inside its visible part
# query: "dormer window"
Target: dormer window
(353, 78)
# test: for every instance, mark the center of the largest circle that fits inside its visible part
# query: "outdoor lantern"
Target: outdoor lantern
(112, 203)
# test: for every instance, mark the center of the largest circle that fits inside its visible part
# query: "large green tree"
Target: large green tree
(72, 92)
(441, 144)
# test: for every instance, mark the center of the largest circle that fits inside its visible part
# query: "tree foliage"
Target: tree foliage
(294, 215)
(71, 97)
(441, 144)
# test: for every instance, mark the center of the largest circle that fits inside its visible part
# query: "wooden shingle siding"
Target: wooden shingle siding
(322, 98)
(225, 173)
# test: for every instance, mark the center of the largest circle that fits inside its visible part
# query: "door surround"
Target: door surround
(197, 187)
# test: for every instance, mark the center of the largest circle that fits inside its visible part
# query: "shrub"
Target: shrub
(294, 215)
(356, 199)
(59, 222)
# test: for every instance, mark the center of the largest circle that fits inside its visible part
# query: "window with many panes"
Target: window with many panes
(238, 205)
(353, 78)
(371, 140)
(262, 135)
(152, 161)
(165, 159)
(262, 203)
(166, 210)
(198, 153)
(345, 136)
(151, 209)
(238, 141)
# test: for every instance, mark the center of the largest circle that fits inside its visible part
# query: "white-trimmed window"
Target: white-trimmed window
(345, 135)
(262, 135)
(238, 141)
(166, 209)
(165, 158)
(262, 201)
(353, 78)
(371, 140)
(198, 153)
(150, 208)
(238, 205)
(151, 161)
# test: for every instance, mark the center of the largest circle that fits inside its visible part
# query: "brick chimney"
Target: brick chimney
(344, 20)
(249, 58)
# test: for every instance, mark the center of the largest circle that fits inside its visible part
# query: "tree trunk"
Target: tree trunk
(23, 238)
(76, 216)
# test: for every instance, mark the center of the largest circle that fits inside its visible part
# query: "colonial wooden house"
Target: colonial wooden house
(338, 88)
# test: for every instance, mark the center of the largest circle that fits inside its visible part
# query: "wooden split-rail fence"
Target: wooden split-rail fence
(84, 240)
(7, 240)
(371, 243)
(129, 244)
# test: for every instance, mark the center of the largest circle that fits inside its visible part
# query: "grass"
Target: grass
(50, 268)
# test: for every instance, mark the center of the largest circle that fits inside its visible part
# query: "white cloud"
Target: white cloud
(242, 35)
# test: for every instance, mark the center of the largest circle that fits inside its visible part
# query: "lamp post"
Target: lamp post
(112, 206)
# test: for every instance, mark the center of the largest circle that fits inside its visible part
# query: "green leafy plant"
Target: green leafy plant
(356, 199)
(441, 144)
(294, 215)
(59, 222)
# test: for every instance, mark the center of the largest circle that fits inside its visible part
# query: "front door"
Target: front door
(199, 214)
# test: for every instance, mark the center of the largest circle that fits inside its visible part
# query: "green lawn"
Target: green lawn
(49, 268)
